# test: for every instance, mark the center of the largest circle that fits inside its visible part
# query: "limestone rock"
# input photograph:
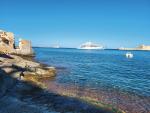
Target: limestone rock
(7, 44)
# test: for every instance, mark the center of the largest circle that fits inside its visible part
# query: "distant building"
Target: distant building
(144, 47)
(7, 44)
(141, 47)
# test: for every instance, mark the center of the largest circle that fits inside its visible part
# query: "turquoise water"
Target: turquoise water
(101, 70)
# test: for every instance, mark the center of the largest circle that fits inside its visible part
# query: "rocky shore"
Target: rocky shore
(22, 92)
(23, 69)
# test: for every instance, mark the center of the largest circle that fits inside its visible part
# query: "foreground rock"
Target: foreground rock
(20, 68)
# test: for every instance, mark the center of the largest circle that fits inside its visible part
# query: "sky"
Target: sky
(69, 23)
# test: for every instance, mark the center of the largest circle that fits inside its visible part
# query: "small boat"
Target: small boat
(129, 55)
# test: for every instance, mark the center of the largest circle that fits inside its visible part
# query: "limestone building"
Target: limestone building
(144, 47)
(141, 47)
(24, 47)
(6, 41)
(7, 44)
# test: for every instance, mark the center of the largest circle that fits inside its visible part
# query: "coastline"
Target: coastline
(11, 67)
(25, 69)
(136, 49)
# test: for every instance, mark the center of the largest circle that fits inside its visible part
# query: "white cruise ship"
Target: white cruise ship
(55, 46)
(90, 45)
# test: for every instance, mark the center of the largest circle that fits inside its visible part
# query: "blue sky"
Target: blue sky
(69, 23)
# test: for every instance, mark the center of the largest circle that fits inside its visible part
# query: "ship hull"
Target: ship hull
(91, 48)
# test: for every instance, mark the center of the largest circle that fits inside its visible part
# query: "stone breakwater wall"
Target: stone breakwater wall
(7, 44)
(141, 47)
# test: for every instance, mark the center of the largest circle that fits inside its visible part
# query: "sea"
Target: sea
(106, 76)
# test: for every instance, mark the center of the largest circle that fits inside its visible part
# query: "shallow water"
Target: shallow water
(105, 75)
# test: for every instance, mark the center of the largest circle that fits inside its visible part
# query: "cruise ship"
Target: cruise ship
(90, 45)
(55, 46)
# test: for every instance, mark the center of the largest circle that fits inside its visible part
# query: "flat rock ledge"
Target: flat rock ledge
(24, 69)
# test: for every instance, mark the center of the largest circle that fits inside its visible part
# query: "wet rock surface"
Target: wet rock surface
(15, 65)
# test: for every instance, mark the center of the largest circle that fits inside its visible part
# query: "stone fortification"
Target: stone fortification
(7, 44)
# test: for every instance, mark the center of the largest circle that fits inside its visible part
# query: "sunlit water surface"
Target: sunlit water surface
(105, 75)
